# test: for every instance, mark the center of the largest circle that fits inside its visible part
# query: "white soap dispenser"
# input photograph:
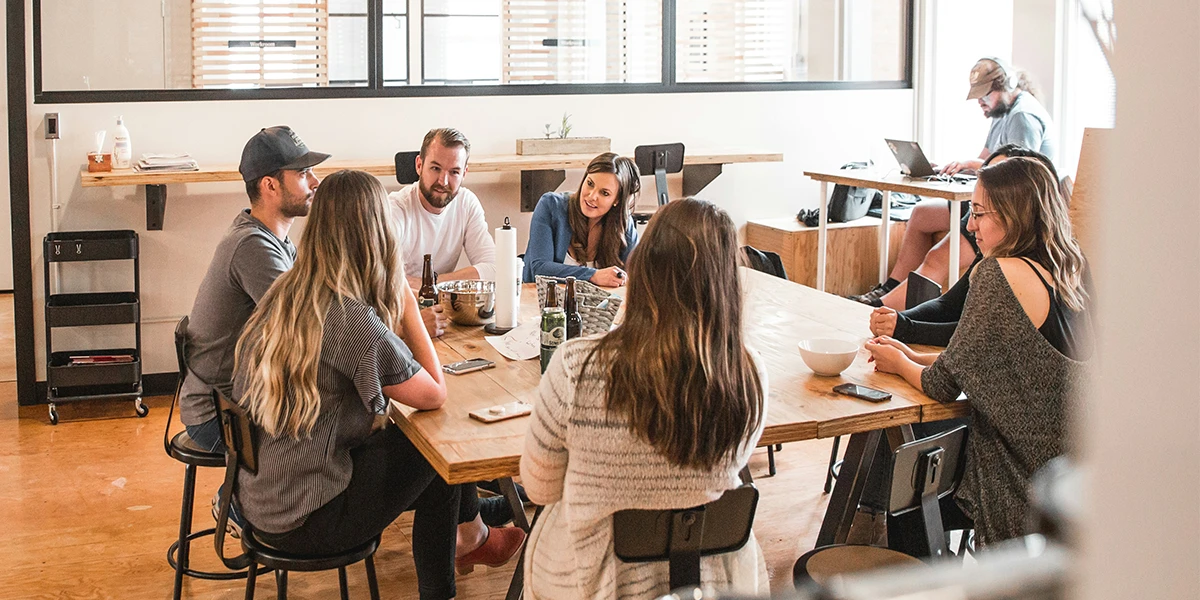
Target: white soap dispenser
(122, 150)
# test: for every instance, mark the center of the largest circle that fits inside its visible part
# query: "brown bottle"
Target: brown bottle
(574, 320)
(552, 295)
(428, 295)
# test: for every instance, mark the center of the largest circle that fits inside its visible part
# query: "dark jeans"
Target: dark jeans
(207, 435)
(390, 476)
(906, 533)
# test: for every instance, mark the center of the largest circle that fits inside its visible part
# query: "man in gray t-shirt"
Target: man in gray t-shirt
(1017, 118)
(277, 168)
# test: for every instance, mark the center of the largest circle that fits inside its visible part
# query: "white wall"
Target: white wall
(812, 129)
(1142, 439)
(6, 253)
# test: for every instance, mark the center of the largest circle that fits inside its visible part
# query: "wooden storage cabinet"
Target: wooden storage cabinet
(852, 260)
(92, 373)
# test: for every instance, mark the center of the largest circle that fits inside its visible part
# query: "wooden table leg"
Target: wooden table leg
(852, 478)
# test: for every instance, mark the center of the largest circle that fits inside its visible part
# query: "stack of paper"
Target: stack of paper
(166, 162)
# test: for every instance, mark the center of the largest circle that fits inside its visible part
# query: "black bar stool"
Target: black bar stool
(183, 449)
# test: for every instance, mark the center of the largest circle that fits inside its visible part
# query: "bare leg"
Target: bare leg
(471, 535)
(926, 225)
(934, 267)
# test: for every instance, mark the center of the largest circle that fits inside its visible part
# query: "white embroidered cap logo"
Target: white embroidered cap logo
(296, 138)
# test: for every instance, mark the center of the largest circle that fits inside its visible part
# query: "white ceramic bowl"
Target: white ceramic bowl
(828, 356)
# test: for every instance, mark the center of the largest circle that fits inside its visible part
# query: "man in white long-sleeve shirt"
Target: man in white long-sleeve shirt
(439, 217)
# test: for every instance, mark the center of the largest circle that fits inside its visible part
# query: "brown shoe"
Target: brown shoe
(501, 545)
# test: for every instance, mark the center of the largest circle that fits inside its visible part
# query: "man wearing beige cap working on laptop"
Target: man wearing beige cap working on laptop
(1007, 97)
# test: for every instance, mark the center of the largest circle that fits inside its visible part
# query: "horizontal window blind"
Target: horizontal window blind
(260, 43)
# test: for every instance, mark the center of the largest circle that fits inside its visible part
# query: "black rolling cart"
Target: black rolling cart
(95, 373)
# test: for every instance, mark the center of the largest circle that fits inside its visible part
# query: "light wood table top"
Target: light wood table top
(477, 164)
(895, 182)
(779, 314)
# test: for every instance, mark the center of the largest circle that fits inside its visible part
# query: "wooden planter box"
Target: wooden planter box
(569, 145)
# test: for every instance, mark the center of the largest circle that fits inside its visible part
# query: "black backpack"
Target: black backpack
(846, 204)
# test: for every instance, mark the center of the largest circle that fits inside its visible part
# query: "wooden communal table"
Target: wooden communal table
(888, 183)
(539, 174)
(802, 406)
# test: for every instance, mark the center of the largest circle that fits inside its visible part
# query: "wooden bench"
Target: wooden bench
(853, 266)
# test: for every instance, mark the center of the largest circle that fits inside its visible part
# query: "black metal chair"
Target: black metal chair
(183, 449)
(658, 159)
(920, 289)
(770, 263)
(923, 472)
(242, 453)
(682, 536)
(406, 167)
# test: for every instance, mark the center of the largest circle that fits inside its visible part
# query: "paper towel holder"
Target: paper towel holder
(492, 328)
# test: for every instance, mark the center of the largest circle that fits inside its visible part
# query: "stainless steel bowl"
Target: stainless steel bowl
(468, 301)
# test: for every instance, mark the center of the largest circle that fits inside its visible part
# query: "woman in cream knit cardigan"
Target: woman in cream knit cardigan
(660, 413)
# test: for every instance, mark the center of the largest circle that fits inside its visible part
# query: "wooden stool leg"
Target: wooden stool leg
(280, 584)
(342, 585)
(251, 579)
(371, 581)
(185, 527)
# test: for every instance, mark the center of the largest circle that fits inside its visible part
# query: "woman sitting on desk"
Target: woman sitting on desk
(587, 235)
(933, 322)
(660, 413)
(316, 365)
(1016, 352)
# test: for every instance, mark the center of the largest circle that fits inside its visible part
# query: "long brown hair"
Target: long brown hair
(615, 222)
(677, 366)
(348, 251)
(1025, 196)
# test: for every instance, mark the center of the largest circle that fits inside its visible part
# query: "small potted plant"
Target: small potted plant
(560, 142)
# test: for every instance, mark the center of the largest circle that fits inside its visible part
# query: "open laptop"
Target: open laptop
(912, 160)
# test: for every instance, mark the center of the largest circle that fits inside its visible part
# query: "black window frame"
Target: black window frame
(376, 87)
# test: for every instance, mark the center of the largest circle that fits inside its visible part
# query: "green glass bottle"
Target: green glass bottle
(554, 332)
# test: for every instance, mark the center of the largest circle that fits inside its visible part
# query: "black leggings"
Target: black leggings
(390, 476)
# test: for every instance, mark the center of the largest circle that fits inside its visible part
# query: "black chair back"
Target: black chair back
(659, 159)
(181, 358)
(923, 472)
(764, 261)
(240, 453)
(682, 536)
(920, 289)
(406, 167)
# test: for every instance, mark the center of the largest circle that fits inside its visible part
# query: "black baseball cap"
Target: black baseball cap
(274, 149)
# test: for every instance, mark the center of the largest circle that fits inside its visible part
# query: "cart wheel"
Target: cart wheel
(141, 409)
(53, 414)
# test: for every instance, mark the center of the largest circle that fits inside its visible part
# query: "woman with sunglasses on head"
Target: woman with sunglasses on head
(1017, 352)
(660, 413)
(587, 235)
(329, 343)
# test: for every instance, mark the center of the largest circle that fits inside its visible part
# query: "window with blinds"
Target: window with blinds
(581, 41)
(260, 43)
(739, 40)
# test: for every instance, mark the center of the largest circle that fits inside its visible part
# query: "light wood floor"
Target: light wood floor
(88, 508)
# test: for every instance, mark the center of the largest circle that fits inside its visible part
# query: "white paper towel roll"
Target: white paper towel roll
(508, 277)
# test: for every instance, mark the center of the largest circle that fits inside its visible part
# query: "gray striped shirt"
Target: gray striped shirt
(359, 356)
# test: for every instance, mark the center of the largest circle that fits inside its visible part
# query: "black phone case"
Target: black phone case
(850, 389)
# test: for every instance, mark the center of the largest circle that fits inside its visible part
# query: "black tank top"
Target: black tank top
(1064, 328)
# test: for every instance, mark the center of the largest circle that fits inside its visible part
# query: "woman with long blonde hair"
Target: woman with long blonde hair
(316, 366)
(660, 413)
(1018, 351)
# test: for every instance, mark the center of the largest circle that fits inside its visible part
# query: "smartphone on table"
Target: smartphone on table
(863, 392)
(466, 366)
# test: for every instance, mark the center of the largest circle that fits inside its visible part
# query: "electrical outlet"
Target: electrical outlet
(52, 126)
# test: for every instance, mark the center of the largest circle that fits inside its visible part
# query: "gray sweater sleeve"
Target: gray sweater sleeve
(971, 338)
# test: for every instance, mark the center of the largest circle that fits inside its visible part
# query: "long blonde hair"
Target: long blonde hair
(677, 365)
(1024, 194)
(348, 251)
